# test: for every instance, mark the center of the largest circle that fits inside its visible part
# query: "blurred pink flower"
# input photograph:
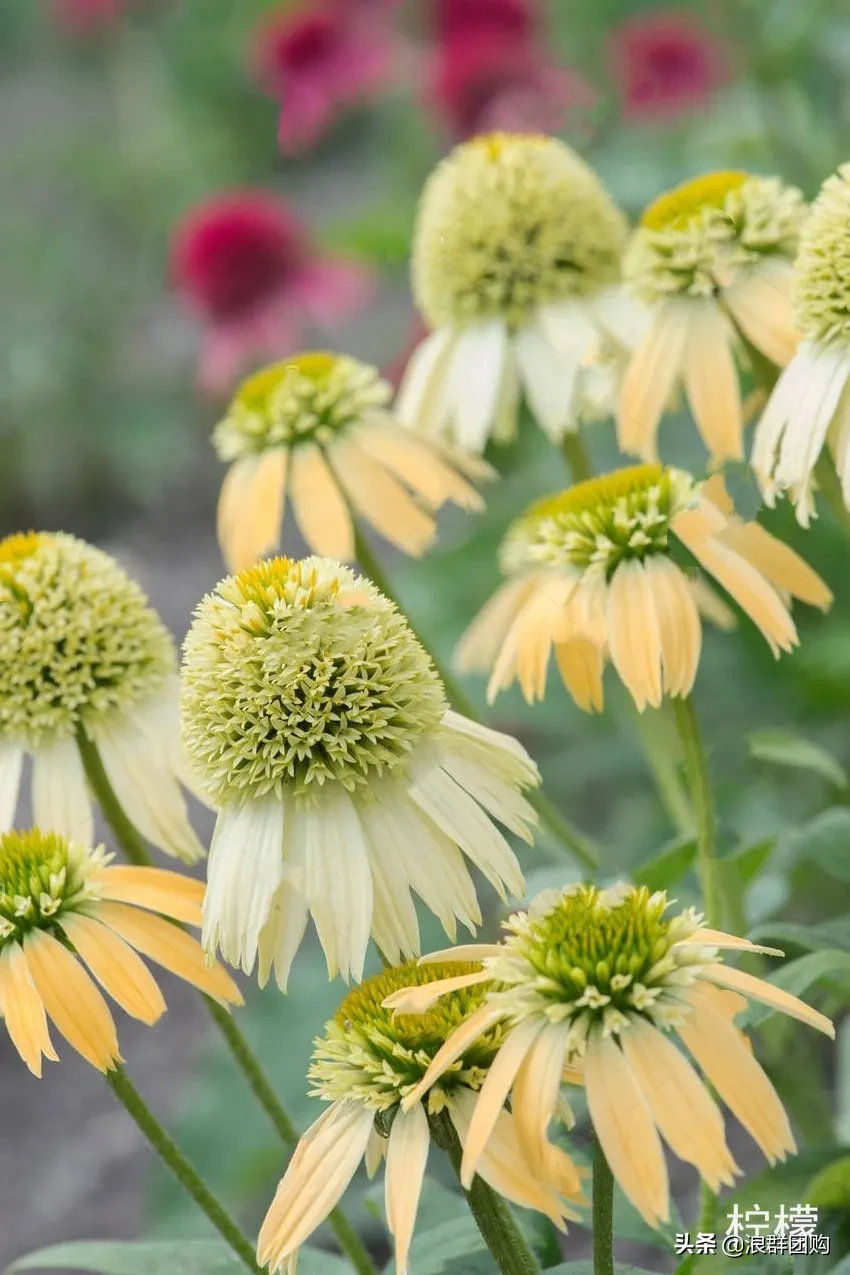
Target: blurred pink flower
(664, 62)
(513, 19)
(246, 265)
(487, 81)
(317, 62)
(85, 17)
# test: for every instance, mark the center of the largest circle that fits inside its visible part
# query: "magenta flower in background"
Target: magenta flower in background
(511, 19)
(245, 264)
(318, 62)
(482, 82)
(666, 61)
(85, 17)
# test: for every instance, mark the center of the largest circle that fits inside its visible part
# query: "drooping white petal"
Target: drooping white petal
(283, 931)
(407, 1155)
(475, 381)
(60, 798)
(244, 871)
(339, 881)
(569, 328)
(11, 764)
(548, 377)
(394, 924)
(421, 401)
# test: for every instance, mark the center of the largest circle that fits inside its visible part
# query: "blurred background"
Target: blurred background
(188, 189)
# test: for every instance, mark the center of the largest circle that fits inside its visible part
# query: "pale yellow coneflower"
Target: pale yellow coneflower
(600, 983)
(516, 265)
(318, 428)
(595, 573)
(810, 406)
(62, 906)
(319, 728)
(709, 257)
(85, 661)
(365, 1065)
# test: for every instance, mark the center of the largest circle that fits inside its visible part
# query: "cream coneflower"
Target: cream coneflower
(709, 258)
(366, 1063)
(599, 573)
(319, 429)
(516, 261)
(319, 728)
(62, 906)
(810, 405)
(601, 982)
(85, 659)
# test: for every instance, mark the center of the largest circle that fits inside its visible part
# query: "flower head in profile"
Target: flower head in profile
(318, 428)
(318, 726)
(665, 62)
(86, 664)
(604, 988)
(63, 908)
(246, 266)
(711, 260)
(810, 405)
(595, 573)
(516, 256)
(365, 1065)
(319, 62)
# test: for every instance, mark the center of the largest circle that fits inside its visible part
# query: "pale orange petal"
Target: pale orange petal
(169, 893)
(679, 628)
(494, 1091)
(778, 563)
(418, 1000)
(711, 384)
(717, 938)
(23, 1010)
(116, 967)
(535, 1094)
(759, 990)
(250, 507)
(459, 1041)
(478, 648)
(72, 1001)
(649, 380)
(381, 500)
(407, 1155)
(633, 634)
(416, 462)
(760, 306)
(319, 506)
(581, 663)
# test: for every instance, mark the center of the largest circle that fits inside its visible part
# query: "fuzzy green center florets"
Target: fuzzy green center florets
(372, 1054)
(77, 638)
(299, 673)
(598, 524)
(601, 956)
(702, 234)
(821, 292)
(508, 223)
(310, 398)
(42, 876)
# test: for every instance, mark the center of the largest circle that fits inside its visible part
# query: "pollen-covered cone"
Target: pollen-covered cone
(592, 574)
(318, 726)
(810, 405)
(366, 1064)
(69, 920)
(318, 429)
(86, 664)
(602, 988)
(711, 260)
(516, 263)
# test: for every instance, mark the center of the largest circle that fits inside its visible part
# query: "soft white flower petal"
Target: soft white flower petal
(548, 377)
(244, 871)
(339, 881)
(475, 382)
(407, 1155)
(11, 765)
(60, 797)
(422, 400)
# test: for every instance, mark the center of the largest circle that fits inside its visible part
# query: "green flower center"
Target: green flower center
(78, 640)
(508, 223)
(821, 294)
(296, 673)
(311, 397)
(598, 524)
(42, 876)
(370, 1053)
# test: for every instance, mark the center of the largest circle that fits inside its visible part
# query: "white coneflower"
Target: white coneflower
(810, 406)
(63, 907)
(366, 1063)
(516, 258)
(318, 428)
(596, 573)
(85, 660)
(709, 257)
(599, 981)
(319, 728)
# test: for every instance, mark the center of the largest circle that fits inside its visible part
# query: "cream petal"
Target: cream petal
(376, 1149)
(250, 507)
(803, 440)
(768, 994)
(426, 469)
(11, 765)
(493, 1094)
(460, 1040)
(418, 1000)
(380, 499)
(625, 1128)
(483, 783)
(548, 377)
(760, 305)
(711, 383)
(22, 1010)
(407, 1156)
(339, 881)
(679, 628)
(421, 402)
(478, 648)
(717, 938)
(782, 407)
(319, 506)
(71, 1000)
(60, 798)
(475, 379)
(395, 928)
(570, 327)
(650, 378)
(245, 869)
(633, 633)
(535, 1094)
(494, 739)
(778, 563)
(463, 952)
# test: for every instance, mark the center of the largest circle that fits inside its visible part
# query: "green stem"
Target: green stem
(603, 1214)
(648, 727)
(575, 454)
(580, 845)
(696, 767)
(492, 1215)
(133, 845)
(132, 1101)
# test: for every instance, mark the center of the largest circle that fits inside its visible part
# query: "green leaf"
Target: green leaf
(825, 840)
(830, 1189)
(185, 1257)
(437, 1252)
(586, 1268)
(750, 861)
(834, 933)
(784, 748)
(667, 867)
(798, 976)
